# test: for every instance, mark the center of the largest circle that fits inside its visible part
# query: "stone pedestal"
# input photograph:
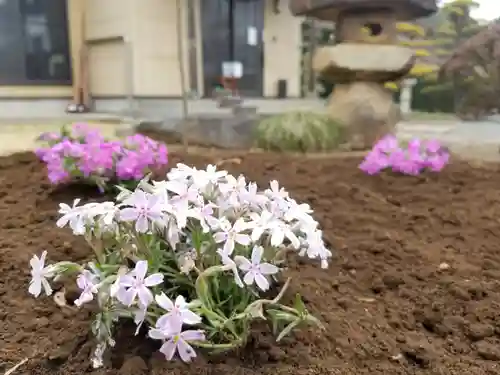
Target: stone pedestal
(366, 57)
(366, 110)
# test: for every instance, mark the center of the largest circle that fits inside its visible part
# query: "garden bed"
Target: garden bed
(413, 288)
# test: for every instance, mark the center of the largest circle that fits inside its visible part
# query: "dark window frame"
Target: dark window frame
(19, 76)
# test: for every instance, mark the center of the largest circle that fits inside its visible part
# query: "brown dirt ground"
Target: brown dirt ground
(388, 306)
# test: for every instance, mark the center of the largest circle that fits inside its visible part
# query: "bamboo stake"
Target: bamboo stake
(182, 71)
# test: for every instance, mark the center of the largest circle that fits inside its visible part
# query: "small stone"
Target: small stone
(397, 357)
(444, 266)
(60, 298)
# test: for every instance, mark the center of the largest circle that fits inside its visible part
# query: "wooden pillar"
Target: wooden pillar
(76, 34)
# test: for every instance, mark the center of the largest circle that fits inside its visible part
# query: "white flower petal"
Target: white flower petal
(261, 282)
(257, 253)
(164, 302)
(154, 279)
(268, 269)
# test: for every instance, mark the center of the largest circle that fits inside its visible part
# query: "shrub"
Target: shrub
(298, 131)
(83, 154)
(197, 249)
(411, 159)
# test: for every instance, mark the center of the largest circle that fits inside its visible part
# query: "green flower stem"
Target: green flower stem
(140, 243)
(97, 249)
(211, 315)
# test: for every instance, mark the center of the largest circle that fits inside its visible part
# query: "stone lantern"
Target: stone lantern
(365, 57)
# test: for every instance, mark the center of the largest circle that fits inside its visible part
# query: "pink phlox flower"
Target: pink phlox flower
(231, 235)
(255, 270)
(144, 208)
(387, 144)
(136, 284)
(177, 342)
(178, 313)
(88, 284)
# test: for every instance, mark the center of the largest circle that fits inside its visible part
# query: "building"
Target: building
(129, 53)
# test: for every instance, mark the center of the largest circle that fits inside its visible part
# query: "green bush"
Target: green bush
(299, 132)
(431, 97)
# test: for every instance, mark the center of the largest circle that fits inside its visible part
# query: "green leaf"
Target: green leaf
(281, 315)
(275, 326)
(299, 305)
(202, 292)
(288, 329)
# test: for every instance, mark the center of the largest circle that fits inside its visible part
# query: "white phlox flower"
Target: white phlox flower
(209, 176)
(232, 235)
(40, 275)
(256, 270)
(75, 216)
(194, 223)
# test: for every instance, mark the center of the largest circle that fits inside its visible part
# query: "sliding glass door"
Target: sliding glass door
(34, 42)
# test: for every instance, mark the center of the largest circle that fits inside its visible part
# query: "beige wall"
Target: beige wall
(282, 50)
(133, 49)
(109, 29)
(156, 49)
(145, 61)
(30, 92)
(151, 26)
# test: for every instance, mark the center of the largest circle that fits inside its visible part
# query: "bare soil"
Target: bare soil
(414, 287)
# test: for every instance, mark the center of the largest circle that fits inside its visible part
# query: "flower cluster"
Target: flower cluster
(189, 257)
(416, 157)
(83, 153)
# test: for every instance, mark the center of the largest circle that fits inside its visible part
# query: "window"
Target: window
(34, 42)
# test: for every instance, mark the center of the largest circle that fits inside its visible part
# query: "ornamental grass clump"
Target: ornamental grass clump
(83, 154)
(299, 132)
(411, 159)
(190, 258)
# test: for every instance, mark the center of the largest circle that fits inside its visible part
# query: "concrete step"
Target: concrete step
(229, 101)
(109, 118)
(23, 137)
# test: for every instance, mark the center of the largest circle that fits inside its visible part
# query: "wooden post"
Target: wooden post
(182, 71)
